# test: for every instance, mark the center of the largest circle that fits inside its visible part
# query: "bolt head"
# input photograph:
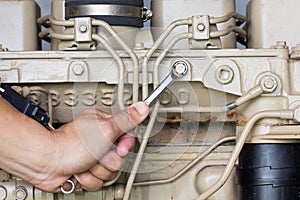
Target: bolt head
(20, 193)
(180, 68)
(201, 27)
(269, 84)
(83, 28)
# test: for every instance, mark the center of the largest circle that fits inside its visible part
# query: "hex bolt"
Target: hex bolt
(20, 193)
(78, 69)
(269, 84)
(201, 27)
(179, 70)
(83, 28)
(280, 45)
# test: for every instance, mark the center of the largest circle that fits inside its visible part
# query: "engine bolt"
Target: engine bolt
(83, 28)
(201, 27)
(269, 83)
(20, 193)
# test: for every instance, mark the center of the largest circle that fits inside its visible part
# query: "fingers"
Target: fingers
(88, 181)
(129, 118)
(125, 144)
(105, 170)
(102, 173)
(112, 161)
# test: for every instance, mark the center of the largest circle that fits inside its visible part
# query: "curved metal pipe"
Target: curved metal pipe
(228, 16)
(155, 46)
(121, 65)
(190, 165)
(282, 114)
(129, 51)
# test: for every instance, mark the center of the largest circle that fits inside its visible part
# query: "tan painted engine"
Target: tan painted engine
(229, 129)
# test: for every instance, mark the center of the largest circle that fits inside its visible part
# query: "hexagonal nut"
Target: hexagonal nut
(20, 193)
(180, 68)
(269, 84)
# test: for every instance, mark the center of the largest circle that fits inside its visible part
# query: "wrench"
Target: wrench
(179, 70)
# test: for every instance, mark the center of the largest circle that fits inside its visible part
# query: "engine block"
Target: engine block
(228, 130)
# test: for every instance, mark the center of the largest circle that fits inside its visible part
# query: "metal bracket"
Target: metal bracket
(223, 75)
(83, 29)
(200, 27)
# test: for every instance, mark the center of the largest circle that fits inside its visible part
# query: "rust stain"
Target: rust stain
(180, 134)
(241, 122)
(231, 115)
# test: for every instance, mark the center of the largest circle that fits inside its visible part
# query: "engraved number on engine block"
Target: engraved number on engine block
(89, 98)
(182, 97)
(55, 98)
(108, 97)
(72, 97)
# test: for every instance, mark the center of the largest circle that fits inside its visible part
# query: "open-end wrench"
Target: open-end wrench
(179, 70)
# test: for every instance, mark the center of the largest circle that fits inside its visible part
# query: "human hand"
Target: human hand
(84, 147)
(107, 168)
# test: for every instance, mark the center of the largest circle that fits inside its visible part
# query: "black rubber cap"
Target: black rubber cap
(138, 3)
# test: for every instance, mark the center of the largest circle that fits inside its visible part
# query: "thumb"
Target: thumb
(129, 118)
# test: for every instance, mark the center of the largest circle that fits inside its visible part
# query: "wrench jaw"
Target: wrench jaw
(179, 70)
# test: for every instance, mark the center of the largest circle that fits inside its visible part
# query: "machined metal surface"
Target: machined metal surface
(104, 10)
